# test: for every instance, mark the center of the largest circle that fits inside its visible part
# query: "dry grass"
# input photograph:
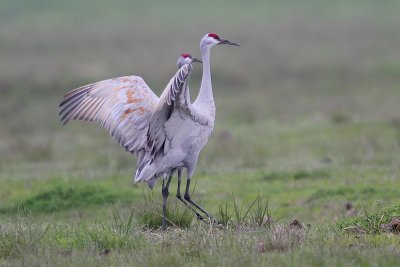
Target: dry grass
(282, 238)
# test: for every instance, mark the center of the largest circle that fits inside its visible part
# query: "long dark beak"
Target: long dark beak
(222, 41)
(196, 60)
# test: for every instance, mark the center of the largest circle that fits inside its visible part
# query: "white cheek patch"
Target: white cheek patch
(214, 41)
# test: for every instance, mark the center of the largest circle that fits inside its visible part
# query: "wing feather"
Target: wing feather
(169, 100)
(122, 105)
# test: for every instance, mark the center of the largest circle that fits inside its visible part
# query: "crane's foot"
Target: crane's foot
(210, 218)
(213, 220)
(199, 217)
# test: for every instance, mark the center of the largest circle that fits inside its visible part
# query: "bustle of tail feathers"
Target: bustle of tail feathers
(152, 182)
(146, 174)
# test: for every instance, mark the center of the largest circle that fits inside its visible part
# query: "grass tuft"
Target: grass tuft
(255, 214)
(283, 238)
(21, 236)
(149, 213)
(224, 215)
(370, 223)
(260, 214)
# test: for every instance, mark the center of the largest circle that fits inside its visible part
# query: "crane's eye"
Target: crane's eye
(214, 35)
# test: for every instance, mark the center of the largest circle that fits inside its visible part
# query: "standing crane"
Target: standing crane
(166, 133)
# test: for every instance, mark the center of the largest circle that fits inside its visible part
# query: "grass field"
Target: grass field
(308, 122)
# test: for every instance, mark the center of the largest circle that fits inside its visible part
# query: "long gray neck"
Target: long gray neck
(205, 94)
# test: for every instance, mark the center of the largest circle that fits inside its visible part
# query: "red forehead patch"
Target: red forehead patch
(185, 55)
(213, 35)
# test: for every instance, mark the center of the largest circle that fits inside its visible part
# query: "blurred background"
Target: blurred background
(313, 92)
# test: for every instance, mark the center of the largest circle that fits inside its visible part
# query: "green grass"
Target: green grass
(203, 244)
(40, 196)
(307, 123)
(370, 222)
(149, 214)
(64, 198)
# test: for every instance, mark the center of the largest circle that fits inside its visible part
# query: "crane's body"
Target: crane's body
(166, 133)
(185, 139)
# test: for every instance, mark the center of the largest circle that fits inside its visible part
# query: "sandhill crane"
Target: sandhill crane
(166, 133)
(124, 106)
(189, 128)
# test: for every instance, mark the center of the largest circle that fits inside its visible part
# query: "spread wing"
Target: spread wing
(122, 105)
(175, 95)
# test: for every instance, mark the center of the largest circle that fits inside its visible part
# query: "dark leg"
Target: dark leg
(178, 195)
(189, 199)
(165, 193)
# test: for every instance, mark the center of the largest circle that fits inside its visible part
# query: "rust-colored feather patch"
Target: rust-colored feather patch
(131, 98)
(119, 88)
(142, 110)
(122, 105)
(128, 111)
(128, 80)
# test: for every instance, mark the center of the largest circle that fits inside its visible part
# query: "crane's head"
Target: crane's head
(186, 58)
(212, 39)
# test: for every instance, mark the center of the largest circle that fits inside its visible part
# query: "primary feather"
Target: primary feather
(122, 105)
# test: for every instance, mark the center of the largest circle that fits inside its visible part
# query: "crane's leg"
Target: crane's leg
(165, 193)
(178, 195)
(189, 199)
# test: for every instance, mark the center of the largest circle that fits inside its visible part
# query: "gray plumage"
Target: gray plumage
(166, 133)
